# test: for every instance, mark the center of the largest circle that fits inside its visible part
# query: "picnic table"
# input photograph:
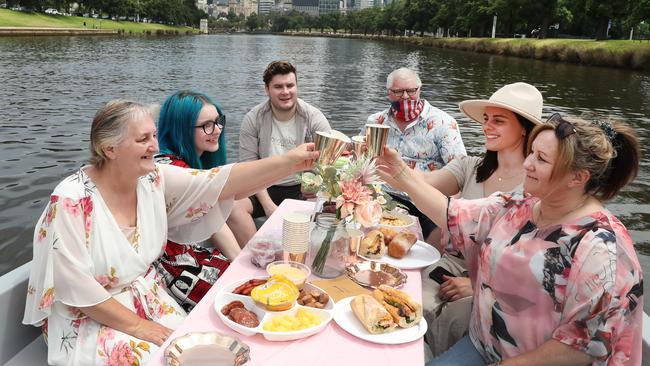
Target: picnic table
(332, 346)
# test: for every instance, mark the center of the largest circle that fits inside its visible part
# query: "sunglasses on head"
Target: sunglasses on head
(563, 128)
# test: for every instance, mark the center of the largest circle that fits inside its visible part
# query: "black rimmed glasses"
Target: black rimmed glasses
(563, 128)
(399, 92)
(209, 126)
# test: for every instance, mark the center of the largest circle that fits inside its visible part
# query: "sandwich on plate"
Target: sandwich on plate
(372, 314)
(404, 310)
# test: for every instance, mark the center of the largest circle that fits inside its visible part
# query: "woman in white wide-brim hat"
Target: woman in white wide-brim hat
(506, 119)
(555, 274)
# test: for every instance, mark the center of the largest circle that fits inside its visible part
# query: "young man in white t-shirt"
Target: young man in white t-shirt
(275, 126)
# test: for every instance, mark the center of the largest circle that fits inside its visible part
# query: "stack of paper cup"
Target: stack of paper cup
(295, 237)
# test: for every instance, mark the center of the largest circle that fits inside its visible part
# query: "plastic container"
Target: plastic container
(294, 271)
(277, 294)
(264, 251)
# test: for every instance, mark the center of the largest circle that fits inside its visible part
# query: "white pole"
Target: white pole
(631, 33)
(494, 26)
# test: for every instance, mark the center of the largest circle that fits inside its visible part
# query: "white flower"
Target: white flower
(381, 200)
(310, 179)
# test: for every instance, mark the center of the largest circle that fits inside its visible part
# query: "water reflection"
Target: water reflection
(52, 87)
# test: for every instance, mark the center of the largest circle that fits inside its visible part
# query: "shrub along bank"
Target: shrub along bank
(611, 53)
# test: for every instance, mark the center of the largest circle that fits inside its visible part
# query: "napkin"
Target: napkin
(340, 287)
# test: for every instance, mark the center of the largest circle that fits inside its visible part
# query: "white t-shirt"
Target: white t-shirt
(283, 139)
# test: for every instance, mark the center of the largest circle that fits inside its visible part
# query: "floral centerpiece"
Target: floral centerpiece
(355, 189)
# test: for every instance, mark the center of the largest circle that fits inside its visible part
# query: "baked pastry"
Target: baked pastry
(372, 314)
(373, 245)
(404, 310)
(401, 244)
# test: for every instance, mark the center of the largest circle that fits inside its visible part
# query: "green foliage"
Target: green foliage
(582, 18)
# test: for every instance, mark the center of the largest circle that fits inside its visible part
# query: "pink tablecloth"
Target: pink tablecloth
(332, 346)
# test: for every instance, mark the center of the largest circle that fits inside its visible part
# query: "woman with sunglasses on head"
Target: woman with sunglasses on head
(93, 287)
(507, 119)
(556, 277)
(191, 135)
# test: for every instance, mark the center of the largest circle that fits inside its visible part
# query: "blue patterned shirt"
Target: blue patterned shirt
(429, 142)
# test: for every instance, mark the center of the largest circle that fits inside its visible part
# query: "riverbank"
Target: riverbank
(14, 23)
(611, 53)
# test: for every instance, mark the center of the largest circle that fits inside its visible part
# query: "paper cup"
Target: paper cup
(376, 137)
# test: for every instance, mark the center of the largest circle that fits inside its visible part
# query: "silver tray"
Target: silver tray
(372, 274)
(207, 346)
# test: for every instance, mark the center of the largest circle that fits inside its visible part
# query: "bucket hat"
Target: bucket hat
(521, 98)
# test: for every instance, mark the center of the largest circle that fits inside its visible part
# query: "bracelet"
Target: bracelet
(401, 171)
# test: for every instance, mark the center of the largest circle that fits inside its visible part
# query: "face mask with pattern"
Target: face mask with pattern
(407, 109)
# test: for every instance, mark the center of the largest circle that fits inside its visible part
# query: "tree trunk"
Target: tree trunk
(543, 30)
(601, 31)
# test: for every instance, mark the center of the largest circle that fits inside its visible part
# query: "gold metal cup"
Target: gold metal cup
(330, 145)
(376, 137)
(358, 145)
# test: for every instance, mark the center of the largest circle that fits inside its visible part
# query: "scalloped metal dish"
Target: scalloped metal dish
(372, 274)
(240, 351)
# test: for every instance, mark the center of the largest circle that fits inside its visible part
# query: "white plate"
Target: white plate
(421, 255)
(345, 318)
(225, 296)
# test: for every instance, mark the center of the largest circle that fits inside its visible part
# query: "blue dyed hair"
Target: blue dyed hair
(178, 116)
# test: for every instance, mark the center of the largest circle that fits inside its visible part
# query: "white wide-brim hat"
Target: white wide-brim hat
(521, 98)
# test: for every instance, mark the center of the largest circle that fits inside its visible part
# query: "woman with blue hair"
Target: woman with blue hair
(191, 135)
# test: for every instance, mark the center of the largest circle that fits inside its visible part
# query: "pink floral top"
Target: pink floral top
(579, 283)
(83, 258)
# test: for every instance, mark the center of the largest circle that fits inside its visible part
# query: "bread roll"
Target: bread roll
(372, 314)
(404, 310)
(373, 245)
(401, 244)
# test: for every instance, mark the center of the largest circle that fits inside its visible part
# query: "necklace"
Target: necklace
(541, 219)
(501, 179)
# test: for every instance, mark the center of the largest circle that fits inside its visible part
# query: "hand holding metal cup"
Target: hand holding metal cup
(376, 137)
(330, 145)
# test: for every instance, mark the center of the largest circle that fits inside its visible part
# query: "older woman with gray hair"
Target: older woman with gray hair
(93, 289)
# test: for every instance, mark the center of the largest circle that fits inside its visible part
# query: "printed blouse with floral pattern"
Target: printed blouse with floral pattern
(579, 283)
(83, 258)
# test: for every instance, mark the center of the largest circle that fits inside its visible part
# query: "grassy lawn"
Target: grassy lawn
(578, 44)
(19, 19)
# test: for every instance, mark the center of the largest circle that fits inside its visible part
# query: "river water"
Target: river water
(52, 86)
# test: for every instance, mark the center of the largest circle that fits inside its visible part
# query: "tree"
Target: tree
(333, 20)
(252, 22)
(603, 11)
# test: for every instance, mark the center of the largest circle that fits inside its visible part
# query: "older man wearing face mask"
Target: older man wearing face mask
(426, 137)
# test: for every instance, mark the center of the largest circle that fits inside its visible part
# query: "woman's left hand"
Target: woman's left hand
(302, 157)
(455, 288)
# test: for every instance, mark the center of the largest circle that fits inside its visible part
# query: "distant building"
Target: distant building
(265, 6)
(328, 6)
(306, 6)
(249, 7)
(202, 5)
(283, 6)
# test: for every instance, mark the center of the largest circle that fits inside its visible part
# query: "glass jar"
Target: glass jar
(329, 246)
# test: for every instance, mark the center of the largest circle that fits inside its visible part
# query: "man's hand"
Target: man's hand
(455, 288)
(151, 332)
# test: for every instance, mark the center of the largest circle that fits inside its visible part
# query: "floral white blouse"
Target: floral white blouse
(82, 258)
